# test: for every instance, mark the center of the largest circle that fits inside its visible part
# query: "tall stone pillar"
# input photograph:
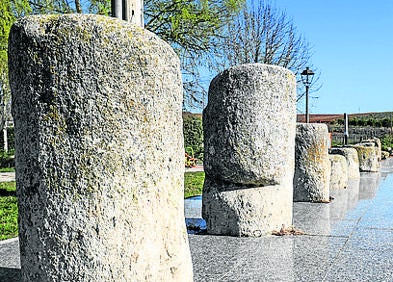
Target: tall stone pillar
(312, 165)
(249, 134)
(97, 107)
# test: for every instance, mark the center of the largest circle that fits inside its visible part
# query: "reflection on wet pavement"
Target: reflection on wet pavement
(348, 239)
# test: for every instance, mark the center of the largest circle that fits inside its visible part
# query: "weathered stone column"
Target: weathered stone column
(368, 157)
(373, 142)
(312, 165)
(99, 153)
(249, 133)
(352, 158)
(339, 172)
(369, 154)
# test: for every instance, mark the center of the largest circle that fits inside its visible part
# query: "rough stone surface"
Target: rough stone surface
(368, 156)
(249, 132)
(242, 211)
(373, 142)
(97, 107)
(248, 125)
(352, 158)
(339, 172)
(312, 165)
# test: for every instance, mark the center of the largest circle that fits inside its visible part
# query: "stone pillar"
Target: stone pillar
(368, 157)
(312, 165)
(339, 172)
(373, 142)
(249, 133)
(352, 158)
(97, 107)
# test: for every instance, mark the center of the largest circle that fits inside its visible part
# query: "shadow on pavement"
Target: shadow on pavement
(10, 274)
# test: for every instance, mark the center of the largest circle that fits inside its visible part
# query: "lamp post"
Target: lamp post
(307, 77)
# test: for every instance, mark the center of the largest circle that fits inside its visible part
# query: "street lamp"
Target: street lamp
(307, 77)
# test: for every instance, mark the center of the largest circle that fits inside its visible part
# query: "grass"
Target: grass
(7, 169)
(8, 211)
(193, 183)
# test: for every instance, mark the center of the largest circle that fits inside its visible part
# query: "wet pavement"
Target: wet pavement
(349, 239)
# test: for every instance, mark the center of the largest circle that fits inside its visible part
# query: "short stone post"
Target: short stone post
(368, 157)
(312, 165)
(373, 142)
(339, 172)
(99, 151)
(352, 158)
(249, 133)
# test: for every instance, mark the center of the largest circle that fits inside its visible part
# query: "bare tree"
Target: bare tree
(263, 34)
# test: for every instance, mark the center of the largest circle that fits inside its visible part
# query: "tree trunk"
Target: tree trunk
(78, 6)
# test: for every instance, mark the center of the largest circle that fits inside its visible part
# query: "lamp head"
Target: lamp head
(307, 76)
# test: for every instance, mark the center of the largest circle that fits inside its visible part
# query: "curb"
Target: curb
(8, 241)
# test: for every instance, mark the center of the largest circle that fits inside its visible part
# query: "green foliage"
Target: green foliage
(7, 158)
(39, 7)
(10, 138)
(10, 10)
(193, 183)
(386, 122)
(189, 159)
(193, 29)
(7, 169)
(8, 211)
(386, 141)
(190, 27)
(193, 136)
(373, 120)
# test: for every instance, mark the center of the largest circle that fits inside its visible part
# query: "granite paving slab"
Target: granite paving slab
(348, 239)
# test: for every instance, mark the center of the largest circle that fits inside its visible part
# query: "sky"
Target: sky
(352, 47)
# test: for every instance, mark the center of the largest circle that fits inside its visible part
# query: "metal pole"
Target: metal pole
(307, 115)
(128, 10)
(117, 9)
(346, 130)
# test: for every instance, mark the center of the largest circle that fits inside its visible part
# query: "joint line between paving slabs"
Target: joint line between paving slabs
(342, 248)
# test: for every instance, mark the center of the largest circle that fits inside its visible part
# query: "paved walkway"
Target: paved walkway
(7, 176)
(349, 239)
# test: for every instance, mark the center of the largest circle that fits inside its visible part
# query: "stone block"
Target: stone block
(243, 211)
(373, 142)
(312, 165)
(249, 133)
(368, 157)
(352, 158)
(249, 125)
(97, 106)
(339, 172)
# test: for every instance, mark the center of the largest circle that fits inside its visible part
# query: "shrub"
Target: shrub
(7, 158)
(10, 137)
(386, 141)
(386, 122)
(193, 136)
